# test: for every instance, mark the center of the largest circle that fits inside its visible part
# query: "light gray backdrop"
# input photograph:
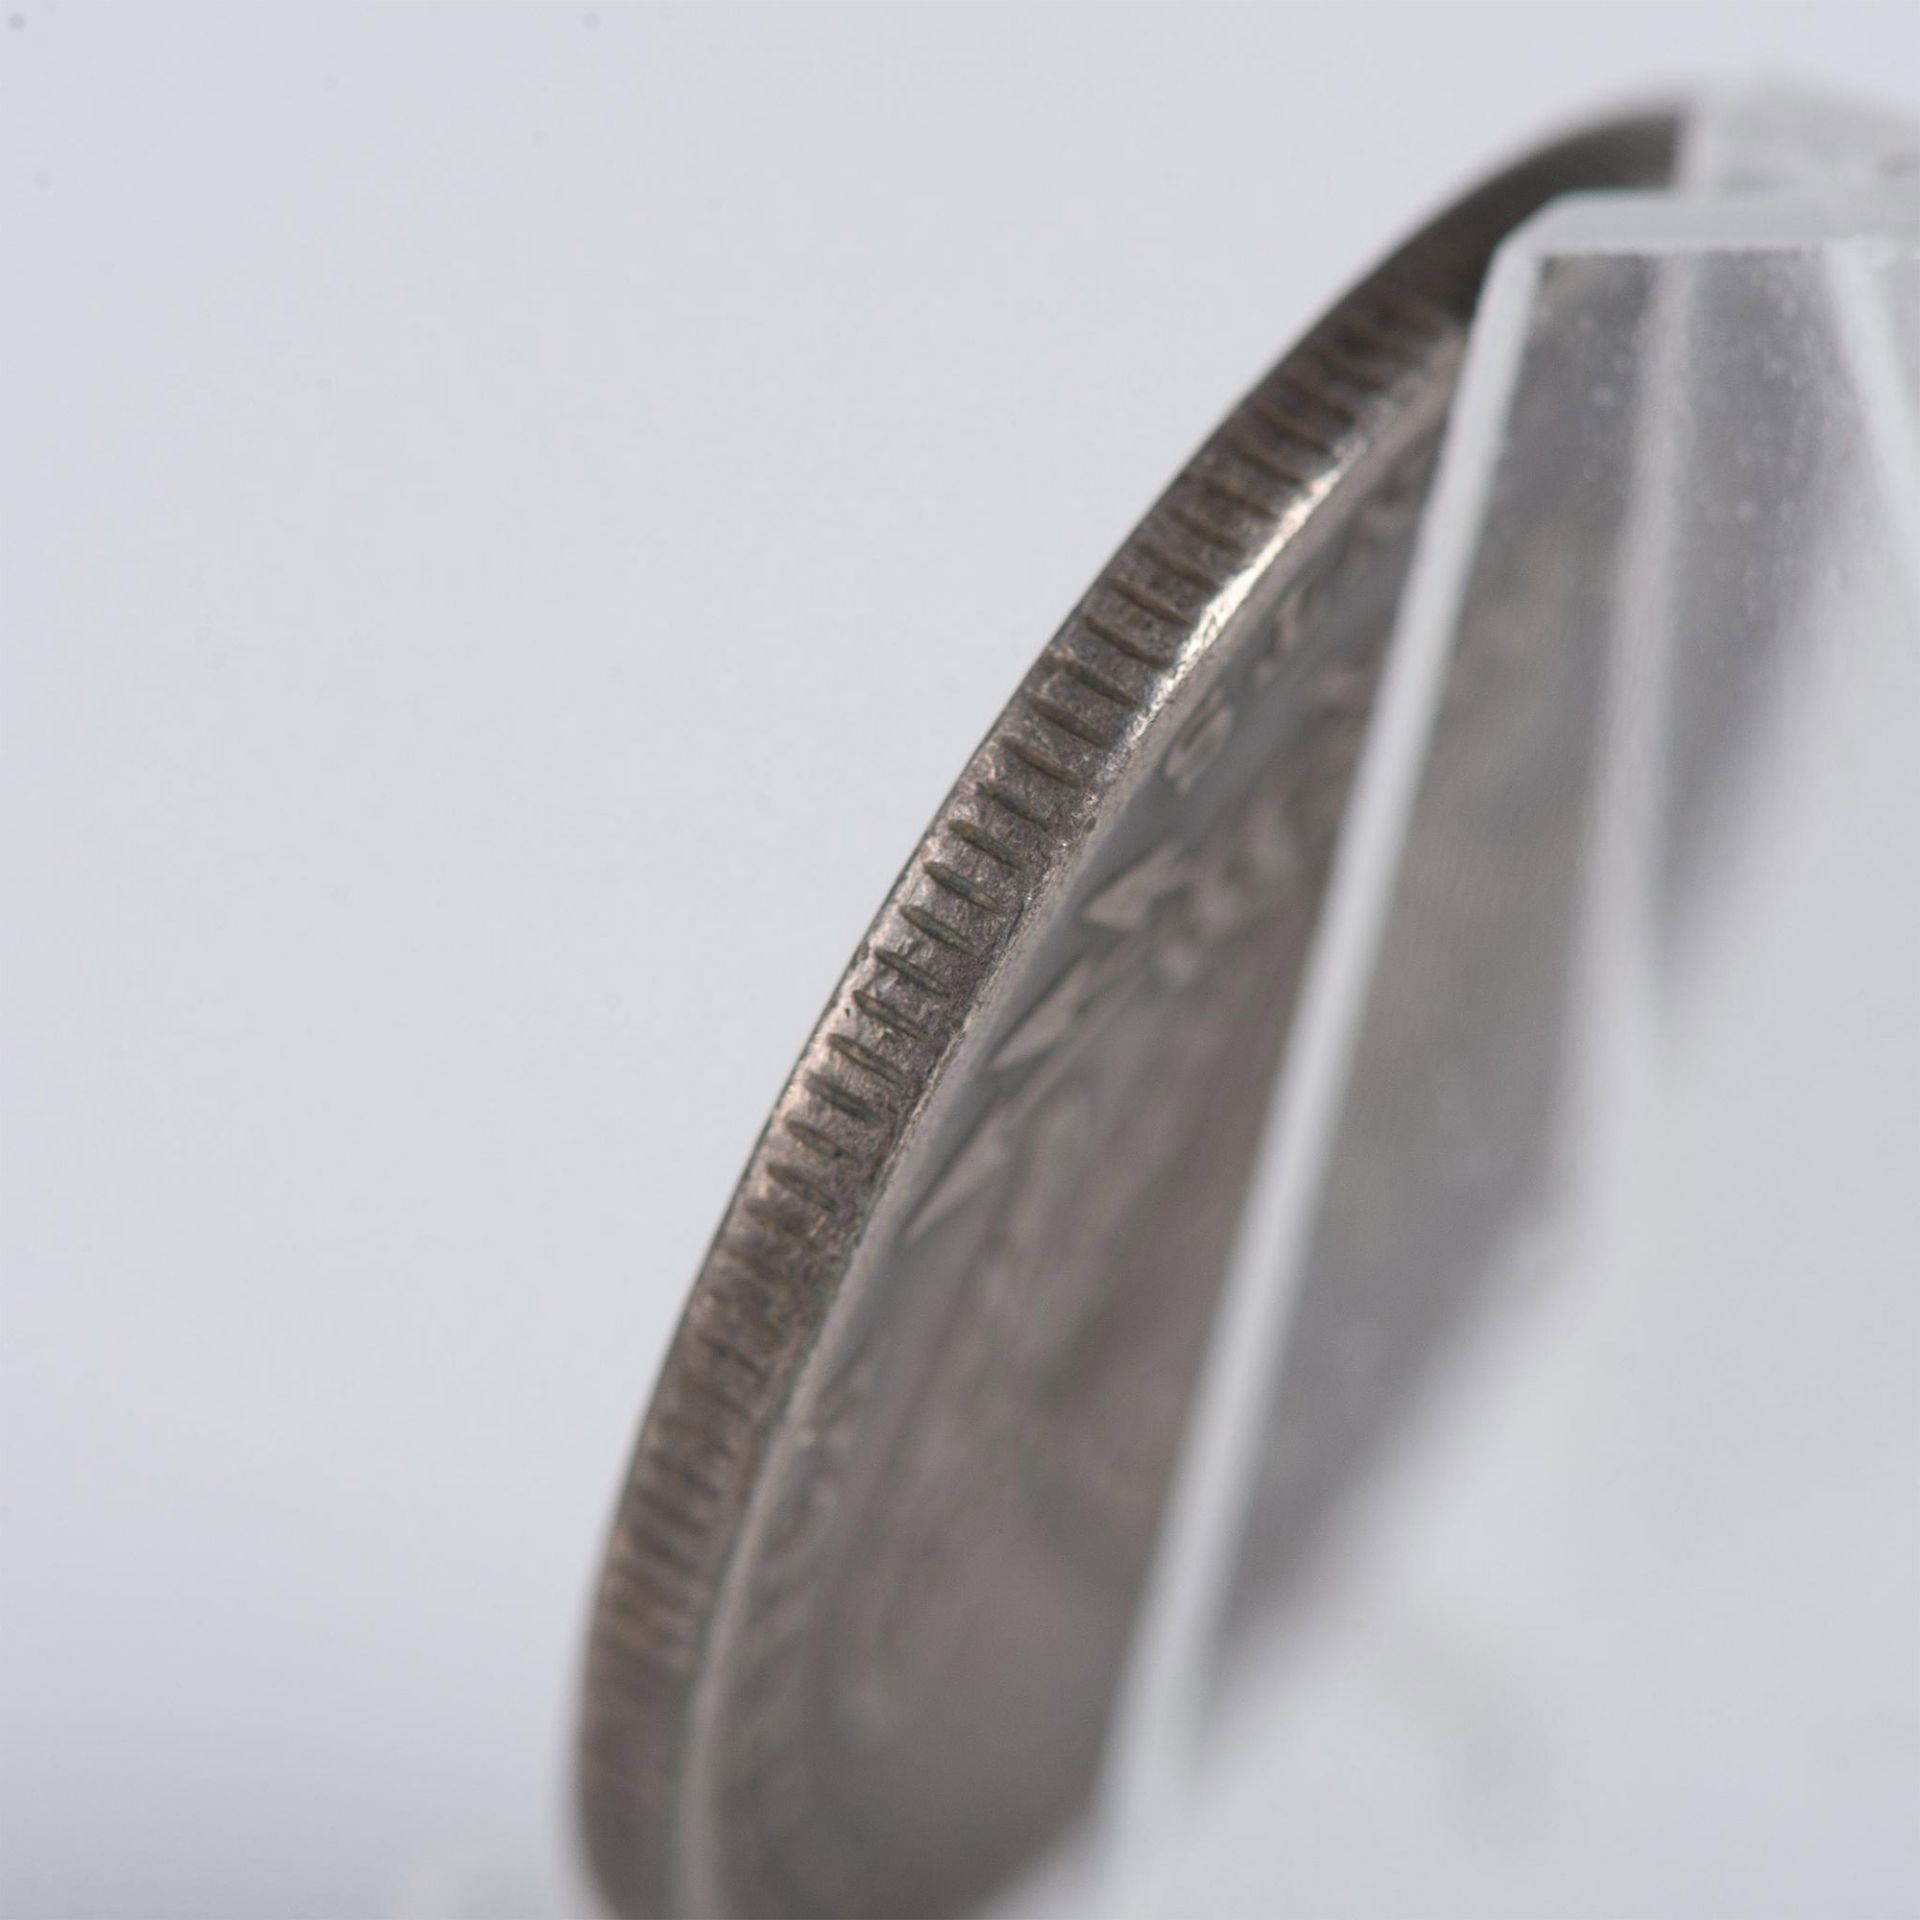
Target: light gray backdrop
(510, 521)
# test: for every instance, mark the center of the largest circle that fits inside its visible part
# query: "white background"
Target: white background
(510, 522)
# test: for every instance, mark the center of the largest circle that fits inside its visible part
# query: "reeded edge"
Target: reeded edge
(1006, 832)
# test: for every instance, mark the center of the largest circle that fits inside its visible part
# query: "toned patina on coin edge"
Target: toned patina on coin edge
(1006, 836)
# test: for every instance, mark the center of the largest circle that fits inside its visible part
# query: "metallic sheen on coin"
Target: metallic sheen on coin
(872, 1576)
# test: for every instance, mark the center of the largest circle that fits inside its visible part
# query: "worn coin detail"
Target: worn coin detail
(872, 1575)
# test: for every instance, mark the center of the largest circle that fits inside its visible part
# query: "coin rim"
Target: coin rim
(1005, 836)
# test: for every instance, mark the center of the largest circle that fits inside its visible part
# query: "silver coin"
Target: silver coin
(872, 1576)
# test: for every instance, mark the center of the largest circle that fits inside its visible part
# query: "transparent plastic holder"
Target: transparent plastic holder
(1546, 1538)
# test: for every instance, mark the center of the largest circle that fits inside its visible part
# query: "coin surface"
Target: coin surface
(872, 1576)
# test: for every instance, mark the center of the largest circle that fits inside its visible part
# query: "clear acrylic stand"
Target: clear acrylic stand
(1546, 1539)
